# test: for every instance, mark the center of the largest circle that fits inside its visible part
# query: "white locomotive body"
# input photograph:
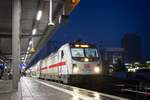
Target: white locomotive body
(69, 63)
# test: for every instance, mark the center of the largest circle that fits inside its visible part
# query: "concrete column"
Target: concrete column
(16, 15)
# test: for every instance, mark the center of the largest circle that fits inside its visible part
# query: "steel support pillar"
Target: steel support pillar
(16, 15)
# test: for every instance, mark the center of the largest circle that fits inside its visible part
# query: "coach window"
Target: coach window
(62, 54)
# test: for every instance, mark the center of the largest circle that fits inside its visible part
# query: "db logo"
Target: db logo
(87, 65)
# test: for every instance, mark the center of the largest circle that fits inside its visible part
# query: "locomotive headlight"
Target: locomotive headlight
(86, 59)
(76, 69)
(96, 69)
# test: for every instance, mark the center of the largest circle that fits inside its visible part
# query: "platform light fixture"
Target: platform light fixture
(27, 53)
(74, 3)
(39, 15)
(34, 31)
(28, 48)
(22, 58)
(30, 43)
(59, 19)
(32, 50)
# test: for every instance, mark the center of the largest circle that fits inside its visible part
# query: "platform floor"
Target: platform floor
(34, 89)
(31, 90)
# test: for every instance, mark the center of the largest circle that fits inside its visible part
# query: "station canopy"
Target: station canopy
(34, 31)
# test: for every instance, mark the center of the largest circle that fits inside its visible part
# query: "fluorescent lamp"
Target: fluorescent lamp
(30, 42)
(59, 19)
(39, 15)
(22, 58)
(28, 48)
(34, 32)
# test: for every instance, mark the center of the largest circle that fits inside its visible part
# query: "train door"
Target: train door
(60, 59)
(63, 67)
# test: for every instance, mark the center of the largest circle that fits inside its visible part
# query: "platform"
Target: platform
(34, 89)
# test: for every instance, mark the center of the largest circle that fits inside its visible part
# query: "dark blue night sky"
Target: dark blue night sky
(108, 21)
(103, 22)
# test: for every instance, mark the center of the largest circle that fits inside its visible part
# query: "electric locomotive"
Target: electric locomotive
(71, 63)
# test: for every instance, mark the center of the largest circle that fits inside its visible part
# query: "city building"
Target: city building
(111, 55)
(109, 58)
(132, 46)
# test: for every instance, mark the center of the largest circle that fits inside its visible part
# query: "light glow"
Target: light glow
(30, 43)
(147, 61)
(86, 59)
(29, 48)
(39, 15)
(74, 3)
(34, 32)
(22, 58)
(97, 70)
(84, 46)
(27, 53)
(97, 96)
(32, 49)
(75, 69)
(77, 45)
(59, 20)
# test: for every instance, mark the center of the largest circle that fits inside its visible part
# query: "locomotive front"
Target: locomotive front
(85, 59)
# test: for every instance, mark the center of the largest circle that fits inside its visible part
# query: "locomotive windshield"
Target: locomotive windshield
(77, 52)
(90, 52)
(84, 52)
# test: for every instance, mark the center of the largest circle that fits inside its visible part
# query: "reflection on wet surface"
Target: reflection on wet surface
(91, 94)
(94, 95)
(80, 94)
